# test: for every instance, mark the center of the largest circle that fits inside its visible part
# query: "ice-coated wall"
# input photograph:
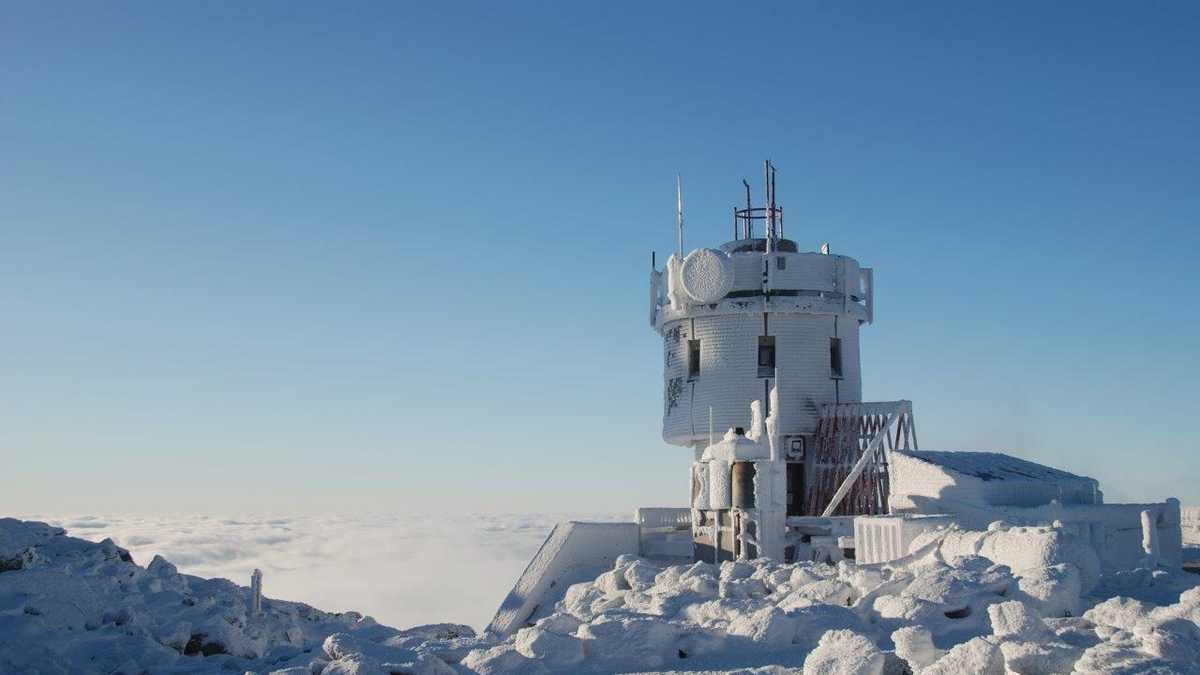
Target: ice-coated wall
(728, 379)
(801, 300)
(1190, 519)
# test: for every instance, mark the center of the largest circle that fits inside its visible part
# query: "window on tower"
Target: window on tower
(766, 356)
(835, 357)
(693, 358)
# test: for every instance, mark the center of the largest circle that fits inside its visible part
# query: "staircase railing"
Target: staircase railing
(853, 442)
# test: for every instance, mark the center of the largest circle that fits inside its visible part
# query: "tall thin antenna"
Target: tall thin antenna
(749, 227)
(774, 215)
(768, 224)
(679, 210)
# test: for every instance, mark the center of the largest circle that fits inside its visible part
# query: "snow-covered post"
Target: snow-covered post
(1149, 538)
(256, 592)
(770, 483)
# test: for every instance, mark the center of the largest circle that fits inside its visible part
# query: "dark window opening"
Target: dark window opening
(693, 358)
(795, 488)
(766, 356)
(781, 263)
(835, 357)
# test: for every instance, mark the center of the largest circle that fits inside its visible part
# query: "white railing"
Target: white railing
(664, 532)
(663, 518)
(1189, 516)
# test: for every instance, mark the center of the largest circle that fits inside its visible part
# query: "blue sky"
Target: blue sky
(290, 256)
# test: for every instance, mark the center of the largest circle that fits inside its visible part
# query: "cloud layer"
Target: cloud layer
(403, 570)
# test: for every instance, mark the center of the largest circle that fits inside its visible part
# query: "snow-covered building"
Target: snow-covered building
(976, 489)
(924, 481)
(762, 380)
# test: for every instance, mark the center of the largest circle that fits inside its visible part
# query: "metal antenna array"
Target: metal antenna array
(771, 214)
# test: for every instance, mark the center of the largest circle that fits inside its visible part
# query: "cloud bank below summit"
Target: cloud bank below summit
(402, 569)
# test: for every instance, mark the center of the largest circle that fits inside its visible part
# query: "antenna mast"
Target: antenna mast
(679, 210)
(769, 221)
(749, 228)
(770, 213)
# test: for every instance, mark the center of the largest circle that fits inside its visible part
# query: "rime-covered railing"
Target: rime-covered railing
(663, 518)
(664, 532)
(851, 465)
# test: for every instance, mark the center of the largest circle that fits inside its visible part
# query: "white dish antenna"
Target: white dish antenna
(707, 275)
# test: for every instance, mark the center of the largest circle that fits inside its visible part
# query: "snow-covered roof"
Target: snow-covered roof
(989, 466)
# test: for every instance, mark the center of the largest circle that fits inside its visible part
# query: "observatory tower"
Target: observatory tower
(762, 379)
(733, 317)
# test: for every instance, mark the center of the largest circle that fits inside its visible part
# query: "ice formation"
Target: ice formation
(952, 606)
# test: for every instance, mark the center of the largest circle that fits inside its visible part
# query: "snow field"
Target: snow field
(71, 606)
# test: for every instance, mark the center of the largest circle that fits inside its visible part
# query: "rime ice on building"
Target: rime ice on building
(762, 381)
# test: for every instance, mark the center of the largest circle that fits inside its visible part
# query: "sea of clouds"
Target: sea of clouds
(403, 570)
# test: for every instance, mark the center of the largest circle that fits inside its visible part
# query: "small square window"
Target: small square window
(693, 358)
(835, 357)
(781, 263)
(766, 356)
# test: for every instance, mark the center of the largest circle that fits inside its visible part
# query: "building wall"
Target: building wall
(1190, 520)
(728, 379)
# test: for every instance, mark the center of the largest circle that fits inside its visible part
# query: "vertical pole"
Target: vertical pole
(749, 230)
(777, 411)
(716, 537)
(773, 218)
(256, 592)
(710, 426)
(768, 224)
(679, 211)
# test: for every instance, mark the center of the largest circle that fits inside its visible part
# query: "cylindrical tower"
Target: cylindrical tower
(734, 318)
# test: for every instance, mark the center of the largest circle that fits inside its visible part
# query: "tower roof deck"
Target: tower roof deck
(759, 245)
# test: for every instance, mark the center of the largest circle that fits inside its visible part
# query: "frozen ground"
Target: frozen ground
(953, 606)
(402, 570)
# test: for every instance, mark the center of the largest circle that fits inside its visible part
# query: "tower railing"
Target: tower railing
(851, 465)
(744, 219)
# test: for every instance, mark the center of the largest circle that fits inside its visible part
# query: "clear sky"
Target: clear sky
(290, 256)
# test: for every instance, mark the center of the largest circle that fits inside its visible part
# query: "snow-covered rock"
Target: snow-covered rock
(73, 606)
(915, 645)
(1016, 620)
(555, 650)
(844, 652)
(976, 656)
